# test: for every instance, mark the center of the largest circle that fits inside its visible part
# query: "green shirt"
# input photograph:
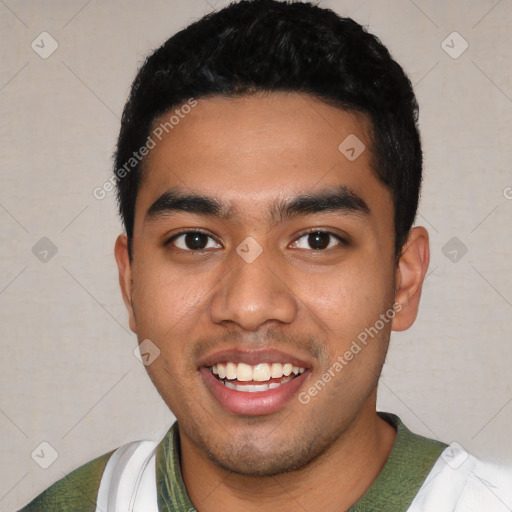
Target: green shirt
(407, 467)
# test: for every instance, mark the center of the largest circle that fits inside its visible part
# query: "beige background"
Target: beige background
(68, 373)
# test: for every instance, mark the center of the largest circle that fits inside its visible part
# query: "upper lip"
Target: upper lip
(252, 357)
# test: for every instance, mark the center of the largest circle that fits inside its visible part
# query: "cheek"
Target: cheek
(348, 301)
(165, 301)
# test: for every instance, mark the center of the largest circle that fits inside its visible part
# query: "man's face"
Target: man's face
(258, 241)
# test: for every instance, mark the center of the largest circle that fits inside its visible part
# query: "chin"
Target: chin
(246, 458)
(256, 464)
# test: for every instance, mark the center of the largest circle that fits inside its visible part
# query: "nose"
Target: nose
(251, 294)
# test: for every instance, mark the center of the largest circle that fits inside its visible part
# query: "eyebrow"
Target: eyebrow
(174, 201)
(340, 199)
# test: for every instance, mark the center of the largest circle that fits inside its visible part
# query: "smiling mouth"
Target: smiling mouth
(254, 378)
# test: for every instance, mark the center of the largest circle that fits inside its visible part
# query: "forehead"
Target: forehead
(253, 150)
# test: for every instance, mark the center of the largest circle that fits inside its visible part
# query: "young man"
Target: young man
(268, 171)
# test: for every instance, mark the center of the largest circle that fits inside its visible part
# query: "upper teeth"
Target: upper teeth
(258, 372)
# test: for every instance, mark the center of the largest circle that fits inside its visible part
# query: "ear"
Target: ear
(125, 277)
(410, 274)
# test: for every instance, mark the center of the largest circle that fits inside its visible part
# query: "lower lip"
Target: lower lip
(252, 404)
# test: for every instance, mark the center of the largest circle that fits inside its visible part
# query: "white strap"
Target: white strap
(459, 482)
(128, 483)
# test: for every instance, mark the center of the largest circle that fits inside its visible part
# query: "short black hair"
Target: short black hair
(268, 46)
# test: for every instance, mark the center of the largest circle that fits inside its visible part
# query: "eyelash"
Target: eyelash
(341, 241)
(189, 232)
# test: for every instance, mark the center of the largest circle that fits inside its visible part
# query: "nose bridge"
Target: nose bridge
(252, 293)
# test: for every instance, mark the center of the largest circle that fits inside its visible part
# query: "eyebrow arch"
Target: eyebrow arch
(340, 199)
(174, 201)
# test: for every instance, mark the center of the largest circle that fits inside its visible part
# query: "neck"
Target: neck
(332, 482)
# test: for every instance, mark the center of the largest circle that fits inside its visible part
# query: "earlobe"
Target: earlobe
(125, 277)
(410, 274)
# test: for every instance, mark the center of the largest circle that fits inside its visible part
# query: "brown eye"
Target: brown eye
(317, 241)
(194, 241)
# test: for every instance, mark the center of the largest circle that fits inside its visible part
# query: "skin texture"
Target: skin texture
(250, 153)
